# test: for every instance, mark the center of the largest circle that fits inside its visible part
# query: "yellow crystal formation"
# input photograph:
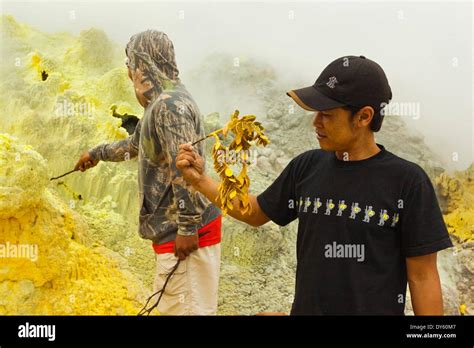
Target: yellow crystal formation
(45, 265)
(457, 192)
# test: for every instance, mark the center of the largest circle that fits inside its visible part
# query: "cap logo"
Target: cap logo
(332, 82)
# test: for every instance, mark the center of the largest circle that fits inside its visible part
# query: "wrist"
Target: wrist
(186, 232)
(202, 183)
(94, 154)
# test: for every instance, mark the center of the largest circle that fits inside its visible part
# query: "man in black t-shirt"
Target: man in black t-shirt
(369, 221)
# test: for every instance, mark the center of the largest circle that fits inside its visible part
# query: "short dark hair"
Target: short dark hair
(376, 122)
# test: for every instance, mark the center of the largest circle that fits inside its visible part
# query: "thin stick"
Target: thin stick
(58, 177)
(207, 136)
(146, 310)
(198, 141)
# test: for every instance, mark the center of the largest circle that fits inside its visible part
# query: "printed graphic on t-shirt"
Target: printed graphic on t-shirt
(310, 205)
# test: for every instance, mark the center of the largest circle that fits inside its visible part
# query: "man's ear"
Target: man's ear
(364, 116)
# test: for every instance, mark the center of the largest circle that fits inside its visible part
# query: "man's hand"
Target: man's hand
(85, 162)
(185, 245)
(190, 164)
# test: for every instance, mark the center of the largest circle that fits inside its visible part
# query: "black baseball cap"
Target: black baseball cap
(353, 81)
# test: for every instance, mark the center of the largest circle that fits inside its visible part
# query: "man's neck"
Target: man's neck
(360, 151)
(151, 96)
(153, 93)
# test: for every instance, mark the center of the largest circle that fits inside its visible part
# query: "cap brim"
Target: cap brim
(309, 98)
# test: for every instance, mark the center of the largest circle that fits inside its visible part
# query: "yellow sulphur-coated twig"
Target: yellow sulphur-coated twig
(245, 130)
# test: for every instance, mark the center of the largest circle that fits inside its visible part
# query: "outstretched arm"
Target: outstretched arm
(114, 152)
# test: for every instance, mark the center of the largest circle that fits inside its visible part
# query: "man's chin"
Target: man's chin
(324, 146)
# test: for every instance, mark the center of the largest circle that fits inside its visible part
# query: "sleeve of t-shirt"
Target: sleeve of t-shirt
(423, 230)
(275, 200)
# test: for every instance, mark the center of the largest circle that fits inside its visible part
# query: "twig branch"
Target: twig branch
(58, 177)
(208, 136)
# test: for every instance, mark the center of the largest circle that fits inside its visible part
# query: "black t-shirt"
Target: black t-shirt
(358, 221)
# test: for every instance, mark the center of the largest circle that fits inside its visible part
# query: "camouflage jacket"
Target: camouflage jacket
(168, 204)
(172, 119)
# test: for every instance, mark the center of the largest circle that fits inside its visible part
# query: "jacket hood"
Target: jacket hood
(152, 52)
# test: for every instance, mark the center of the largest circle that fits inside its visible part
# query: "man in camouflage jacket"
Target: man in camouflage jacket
(172, 216)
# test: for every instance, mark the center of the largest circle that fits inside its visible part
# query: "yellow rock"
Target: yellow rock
(45, 266)
(457, 193)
